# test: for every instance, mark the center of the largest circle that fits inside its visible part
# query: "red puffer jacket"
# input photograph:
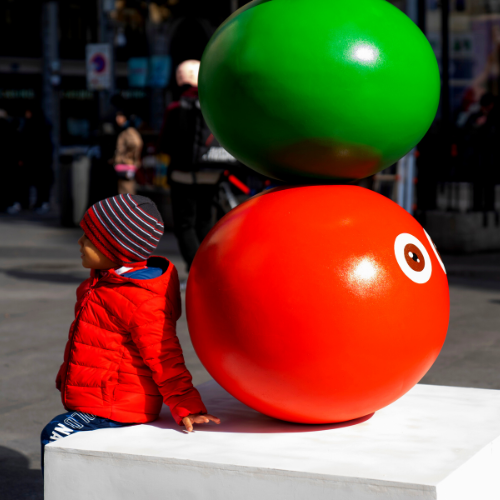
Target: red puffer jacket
(123, 358)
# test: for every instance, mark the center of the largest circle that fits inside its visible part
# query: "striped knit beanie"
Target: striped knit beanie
(126, 228)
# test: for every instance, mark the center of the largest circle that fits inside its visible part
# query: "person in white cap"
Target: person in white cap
(197, 163)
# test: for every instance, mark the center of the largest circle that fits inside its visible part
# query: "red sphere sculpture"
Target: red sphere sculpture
(318, 304)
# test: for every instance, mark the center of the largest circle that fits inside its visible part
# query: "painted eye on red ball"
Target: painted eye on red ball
(434, 248)
(413, 258)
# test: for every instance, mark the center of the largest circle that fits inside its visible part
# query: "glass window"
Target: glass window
(16, 42)
(474, 47)
(78, 26)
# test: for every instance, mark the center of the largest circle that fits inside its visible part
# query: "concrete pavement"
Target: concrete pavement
(39, 271)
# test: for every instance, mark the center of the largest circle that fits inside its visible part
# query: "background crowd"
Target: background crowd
(27, 162)
(121, 128)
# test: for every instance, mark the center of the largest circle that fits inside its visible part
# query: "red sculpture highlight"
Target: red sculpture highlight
(318, 304)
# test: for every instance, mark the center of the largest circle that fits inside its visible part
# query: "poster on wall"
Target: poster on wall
(138, 71)
(160, 71)
(99, 74)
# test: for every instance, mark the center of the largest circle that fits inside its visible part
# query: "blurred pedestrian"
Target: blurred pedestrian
(432, 161)
(10, 163)
(35, 163)
(103, 178)
(197, 163)
(127, 155)
(482, 135)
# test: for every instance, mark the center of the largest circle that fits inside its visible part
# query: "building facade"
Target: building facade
(43, 49)
(141, 30)
(43, 56)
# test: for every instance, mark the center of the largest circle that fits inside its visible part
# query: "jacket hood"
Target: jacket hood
(166, 284)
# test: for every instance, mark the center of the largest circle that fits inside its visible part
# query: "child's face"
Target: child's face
(92, 258)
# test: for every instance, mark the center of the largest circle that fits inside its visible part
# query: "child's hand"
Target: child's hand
(198, 419)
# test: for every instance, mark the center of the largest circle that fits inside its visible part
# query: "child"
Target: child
(123, 358)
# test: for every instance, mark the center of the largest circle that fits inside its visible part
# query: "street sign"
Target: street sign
(99, 73)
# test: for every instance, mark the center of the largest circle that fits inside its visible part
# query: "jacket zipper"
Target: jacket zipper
(75, 324)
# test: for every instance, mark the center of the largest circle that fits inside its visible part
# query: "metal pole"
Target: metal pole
(445, 85)
(411, 170)
(407, 165)
(401, 181)
(422, 15)
(234, 5)
(51, 79)
(445, 62)
(105, 36)
(412, 10)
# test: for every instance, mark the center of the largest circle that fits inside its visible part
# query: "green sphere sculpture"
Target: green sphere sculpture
(319, 90)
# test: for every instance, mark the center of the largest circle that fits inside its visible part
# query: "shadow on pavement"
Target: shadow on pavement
(17, 480)
(477, 283)
(26, 217)
(50, 277)
(33, 253)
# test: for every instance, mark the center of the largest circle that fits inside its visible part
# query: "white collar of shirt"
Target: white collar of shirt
(123, 270)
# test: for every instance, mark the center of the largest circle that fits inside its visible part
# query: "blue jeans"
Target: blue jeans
(71, 423)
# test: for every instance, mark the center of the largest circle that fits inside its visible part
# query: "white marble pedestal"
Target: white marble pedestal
(435, 443)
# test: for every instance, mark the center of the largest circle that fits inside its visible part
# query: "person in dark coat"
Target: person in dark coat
(10, 161)
(482, 134)
(197, 163)
(36, 156)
